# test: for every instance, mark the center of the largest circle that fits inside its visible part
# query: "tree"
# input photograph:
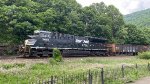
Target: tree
(19, 18)
(116, 20)
(102, 21)
(137, 36)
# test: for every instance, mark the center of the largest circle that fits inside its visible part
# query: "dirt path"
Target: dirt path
(145, 80)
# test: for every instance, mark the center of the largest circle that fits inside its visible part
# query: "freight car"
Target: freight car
(126, 49)
(41, 43)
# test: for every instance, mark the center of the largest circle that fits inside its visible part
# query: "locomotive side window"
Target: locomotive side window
(36, 33)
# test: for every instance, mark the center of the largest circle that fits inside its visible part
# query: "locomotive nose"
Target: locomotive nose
(30, 41)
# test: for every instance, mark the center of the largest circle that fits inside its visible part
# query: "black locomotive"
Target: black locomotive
(42, 43)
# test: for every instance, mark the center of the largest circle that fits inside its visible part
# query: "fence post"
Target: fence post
(136, 66)
(39, 82)
(52, 80)
(49, 81)
(90, 77)
(102, 76)
(84, 80)
(148, 66)
(122, 69)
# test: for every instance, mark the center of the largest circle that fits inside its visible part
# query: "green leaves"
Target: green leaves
(57, 55)
(144, 55)
(137, 36)
(19, 18)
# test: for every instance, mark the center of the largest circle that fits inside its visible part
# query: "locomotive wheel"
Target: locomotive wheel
(26, 55)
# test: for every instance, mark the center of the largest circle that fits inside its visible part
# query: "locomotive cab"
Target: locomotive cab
(27, 46)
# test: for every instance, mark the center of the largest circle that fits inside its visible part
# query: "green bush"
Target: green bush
(57, 55)
(53, 62)
(144, 55)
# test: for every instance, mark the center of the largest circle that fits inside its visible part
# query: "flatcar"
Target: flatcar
(41, 43)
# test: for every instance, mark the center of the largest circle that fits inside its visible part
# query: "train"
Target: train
(42, 43)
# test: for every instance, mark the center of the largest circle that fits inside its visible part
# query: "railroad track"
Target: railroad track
(9, 57)
(21, 57)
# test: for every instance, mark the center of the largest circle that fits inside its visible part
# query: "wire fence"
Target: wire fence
(124, 74)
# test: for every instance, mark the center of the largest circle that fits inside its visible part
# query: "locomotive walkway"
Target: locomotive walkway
(145, 80)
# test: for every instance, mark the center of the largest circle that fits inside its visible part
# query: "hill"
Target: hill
(140, 18)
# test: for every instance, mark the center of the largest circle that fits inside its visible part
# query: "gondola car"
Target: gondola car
(41, 43)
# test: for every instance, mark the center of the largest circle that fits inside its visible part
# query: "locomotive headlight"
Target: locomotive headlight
(30, 41)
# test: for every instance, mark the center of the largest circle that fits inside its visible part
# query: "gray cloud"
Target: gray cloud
(129, 6)
(125, 6)
(143, 4)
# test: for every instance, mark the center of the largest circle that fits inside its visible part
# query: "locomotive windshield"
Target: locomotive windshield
(30, 41)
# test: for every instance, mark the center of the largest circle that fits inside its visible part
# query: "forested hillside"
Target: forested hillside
(140, 18)
(19, 18)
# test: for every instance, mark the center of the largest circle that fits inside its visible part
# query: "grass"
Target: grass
(23, 73)
(144, 55)
(9, 66)
(131, 73)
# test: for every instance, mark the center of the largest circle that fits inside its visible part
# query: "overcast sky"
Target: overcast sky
(125, 6)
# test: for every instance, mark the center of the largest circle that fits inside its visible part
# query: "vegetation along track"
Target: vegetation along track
(72, 57)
